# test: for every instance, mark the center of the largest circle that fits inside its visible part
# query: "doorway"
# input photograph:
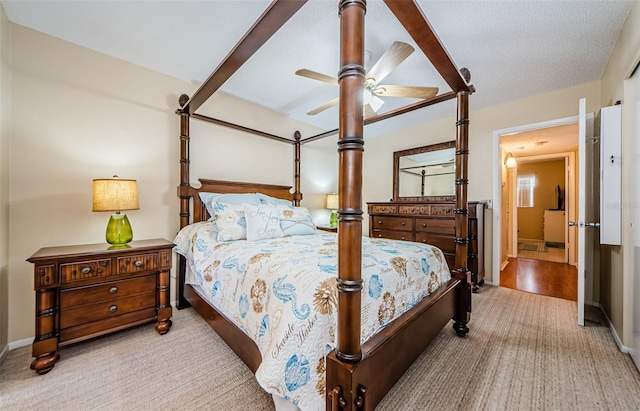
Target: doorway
(539, 194)
(525, 258)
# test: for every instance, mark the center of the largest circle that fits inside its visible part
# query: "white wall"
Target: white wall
(5, 133)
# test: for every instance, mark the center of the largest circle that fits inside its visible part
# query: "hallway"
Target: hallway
(541, 277)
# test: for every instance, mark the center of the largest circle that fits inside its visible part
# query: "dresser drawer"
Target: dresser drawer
(84, 270)
(106, 292)
(137, 263)
(443, 210)
(393, 235)
(436, 225)
(392, 223)
(446, 244)
(98, 311)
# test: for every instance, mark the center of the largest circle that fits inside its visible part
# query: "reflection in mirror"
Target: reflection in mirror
(425, 173)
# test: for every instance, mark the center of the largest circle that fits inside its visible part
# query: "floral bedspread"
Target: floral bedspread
(282, 293)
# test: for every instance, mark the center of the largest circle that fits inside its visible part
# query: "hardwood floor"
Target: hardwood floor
(541, 277)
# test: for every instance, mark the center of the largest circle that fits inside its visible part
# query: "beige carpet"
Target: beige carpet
(524, 352)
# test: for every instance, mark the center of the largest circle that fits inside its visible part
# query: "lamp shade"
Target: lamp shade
(332, 201)
(115, 194)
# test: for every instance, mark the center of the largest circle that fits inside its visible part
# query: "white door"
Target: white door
(586, 208)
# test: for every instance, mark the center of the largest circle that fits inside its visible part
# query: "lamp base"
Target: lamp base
(333, 220)
(119, 231)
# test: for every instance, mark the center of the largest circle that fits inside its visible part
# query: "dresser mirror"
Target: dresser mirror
(425, 173)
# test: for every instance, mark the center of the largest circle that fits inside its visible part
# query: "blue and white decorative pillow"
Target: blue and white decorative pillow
(262, 221)
(210, 199)
(231, 221)
(296, 221)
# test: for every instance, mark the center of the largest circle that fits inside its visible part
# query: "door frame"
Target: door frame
(496, 251)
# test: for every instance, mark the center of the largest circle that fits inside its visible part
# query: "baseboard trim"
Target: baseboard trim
(617, 339)
(3, 354)
(20, 343)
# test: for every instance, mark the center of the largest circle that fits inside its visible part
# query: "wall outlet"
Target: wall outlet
(490, 203)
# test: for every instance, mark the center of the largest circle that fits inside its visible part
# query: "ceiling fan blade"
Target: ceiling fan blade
(317, 76)
(368, 111)
(405, 91)
(324, 107)
(391, 58)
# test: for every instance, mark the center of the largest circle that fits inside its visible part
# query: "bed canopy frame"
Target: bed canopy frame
(358, 375)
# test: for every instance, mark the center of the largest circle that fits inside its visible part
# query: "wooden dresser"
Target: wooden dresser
(85, 291)
(432, 223)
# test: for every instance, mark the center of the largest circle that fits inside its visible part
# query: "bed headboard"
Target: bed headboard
(224, 187)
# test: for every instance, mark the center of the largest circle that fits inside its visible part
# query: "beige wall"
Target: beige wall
(5, 133)
(616, 266)
(79, 115)
(549, 174)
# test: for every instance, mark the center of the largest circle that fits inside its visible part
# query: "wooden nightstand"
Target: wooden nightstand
(85, 291)
(327, 228)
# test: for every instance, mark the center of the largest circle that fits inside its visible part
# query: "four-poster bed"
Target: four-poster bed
(358, 375)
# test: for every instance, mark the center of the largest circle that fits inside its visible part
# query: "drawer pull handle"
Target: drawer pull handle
(113, 308)
(424, 225)
(138, 263)
(113, 290)
(403, 223)
(86, 270)
(403, 237)
(379, 221)
(424, 241)
(380, 235)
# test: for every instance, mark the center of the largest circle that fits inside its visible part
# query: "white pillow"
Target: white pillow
(296, 221)
(262, 221)
(231, 222)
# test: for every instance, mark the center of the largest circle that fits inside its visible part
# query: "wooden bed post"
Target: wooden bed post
(297, 194)
(462, 172)
(182, 191)
(350, 149)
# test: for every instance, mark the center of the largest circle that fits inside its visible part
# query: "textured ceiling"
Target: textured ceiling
(513, 49)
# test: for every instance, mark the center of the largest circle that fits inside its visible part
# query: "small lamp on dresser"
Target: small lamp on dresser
(116, 195)
(332, 204)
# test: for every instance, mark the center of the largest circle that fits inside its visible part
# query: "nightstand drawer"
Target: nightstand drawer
(106, 292)
(85, 269)
(392, 223)
(137, 263)
(105, 309)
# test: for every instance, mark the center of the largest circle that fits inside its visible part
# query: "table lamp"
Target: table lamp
(332, 204)
(116, 195)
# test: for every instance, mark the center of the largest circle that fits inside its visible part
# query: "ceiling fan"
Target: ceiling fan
(372, 89)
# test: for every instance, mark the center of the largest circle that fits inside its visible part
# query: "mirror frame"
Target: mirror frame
(396, 174)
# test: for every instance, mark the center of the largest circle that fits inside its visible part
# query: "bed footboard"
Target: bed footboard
(388, 354)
